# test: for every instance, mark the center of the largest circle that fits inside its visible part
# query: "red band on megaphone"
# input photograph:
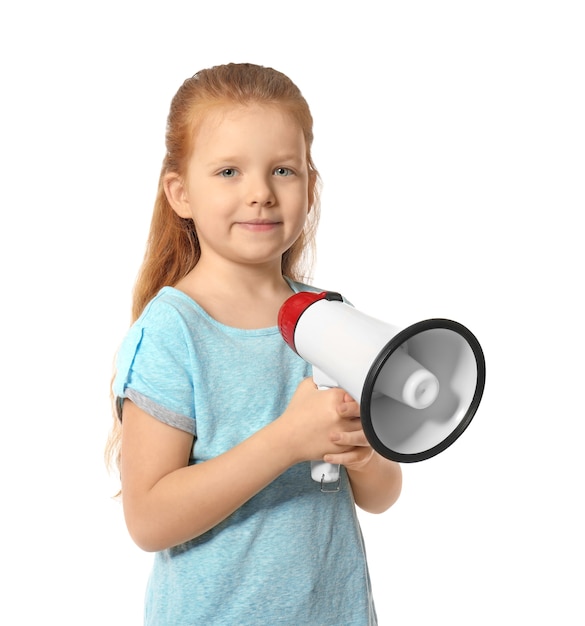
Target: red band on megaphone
(292, 309)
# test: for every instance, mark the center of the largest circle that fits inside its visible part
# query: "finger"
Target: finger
(352, 457)
(350, 438)
(349, 409)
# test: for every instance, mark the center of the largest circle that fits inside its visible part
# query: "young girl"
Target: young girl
(219, 418)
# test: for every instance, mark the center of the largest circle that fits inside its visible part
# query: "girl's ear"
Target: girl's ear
(177, 194)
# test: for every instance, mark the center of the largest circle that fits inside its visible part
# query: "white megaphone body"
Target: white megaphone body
(418, 387)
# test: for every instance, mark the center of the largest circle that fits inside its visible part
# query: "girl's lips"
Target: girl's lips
(259, 225)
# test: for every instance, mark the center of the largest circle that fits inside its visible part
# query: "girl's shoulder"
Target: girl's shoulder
(164, 321)
(168, 301)
(171, 311)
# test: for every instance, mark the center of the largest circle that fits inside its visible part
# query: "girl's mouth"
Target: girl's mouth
(259, 225)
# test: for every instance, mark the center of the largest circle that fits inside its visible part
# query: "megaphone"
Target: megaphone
(418, 387)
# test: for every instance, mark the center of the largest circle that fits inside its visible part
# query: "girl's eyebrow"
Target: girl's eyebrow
(289, 155)
(285, 157)
(222, 160)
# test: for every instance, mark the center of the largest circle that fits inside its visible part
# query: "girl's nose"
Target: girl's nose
(260, 192)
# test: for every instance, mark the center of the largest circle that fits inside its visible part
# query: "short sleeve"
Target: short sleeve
(154, 367)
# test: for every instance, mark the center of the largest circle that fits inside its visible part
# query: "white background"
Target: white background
(451, 140)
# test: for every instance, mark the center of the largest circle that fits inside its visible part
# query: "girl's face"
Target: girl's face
(246, 187)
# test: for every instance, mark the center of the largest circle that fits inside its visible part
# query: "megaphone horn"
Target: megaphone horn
(418, 387)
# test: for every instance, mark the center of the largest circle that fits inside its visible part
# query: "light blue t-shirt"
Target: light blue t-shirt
(291, 555)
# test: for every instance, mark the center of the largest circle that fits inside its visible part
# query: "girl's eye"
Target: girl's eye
(229, 172)
(283, 171)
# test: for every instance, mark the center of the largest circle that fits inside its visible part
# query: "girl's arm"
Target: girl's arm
(377, 486)
(167, 502)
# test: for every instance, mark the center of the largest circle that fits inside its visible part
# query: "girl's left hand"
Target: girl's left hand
(352, 434)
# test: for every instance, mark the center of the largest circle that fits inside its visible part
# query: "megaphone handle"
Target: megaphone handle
(325, 474)
(321, 472)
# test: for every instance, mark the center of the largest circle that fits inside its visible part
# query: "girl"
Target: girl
(217, 417)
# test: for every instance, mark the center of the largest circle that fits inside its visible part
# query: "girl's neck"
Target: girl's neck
(248, 297)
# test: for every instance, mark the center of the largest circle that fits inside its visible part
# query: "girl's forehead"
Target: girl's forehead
(225, 120)
(236, 112)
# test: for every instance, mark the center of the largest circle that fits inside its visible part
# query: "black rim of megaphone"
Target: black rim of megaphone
(377, 366)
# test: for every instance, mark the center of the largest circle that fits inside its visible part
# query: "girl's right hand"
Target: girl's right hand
(315, 417)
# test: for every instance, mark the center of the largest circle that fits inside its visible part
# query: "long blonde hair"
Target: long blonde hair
(172, 248)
